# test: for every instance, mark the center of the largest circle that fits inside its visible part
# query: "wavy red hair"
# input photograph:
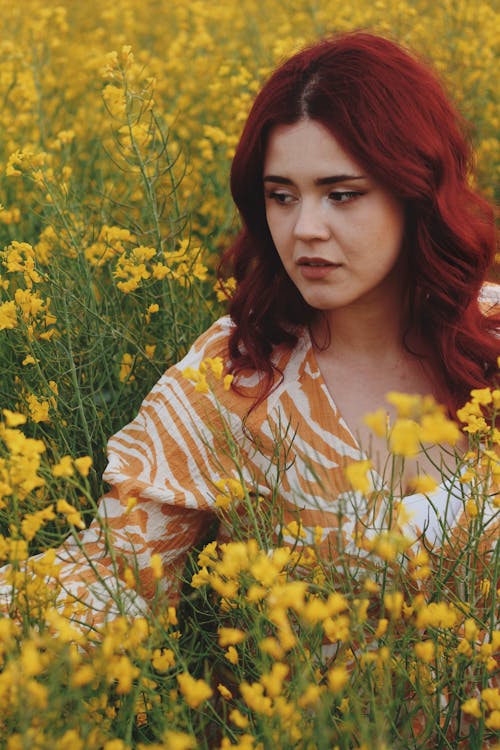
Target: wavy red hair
(390, 112)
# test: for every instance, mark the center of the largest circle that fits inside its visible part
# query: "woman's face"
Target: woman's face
(337, 231)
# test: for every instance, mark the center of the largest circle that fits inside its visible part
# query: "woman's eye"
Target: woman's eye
(279, 197)
(342, 196)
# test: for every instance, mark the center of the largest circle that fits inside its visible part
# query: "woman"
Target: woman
(361, 269)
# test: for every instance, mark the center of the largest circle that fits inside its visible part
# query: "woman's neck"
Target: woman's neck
(362, 331)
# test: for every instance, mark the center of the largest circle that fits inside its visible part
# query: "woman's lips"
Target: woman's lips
(316, 268)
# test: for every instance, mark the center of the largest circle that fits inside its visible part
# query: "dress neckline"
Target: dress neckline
(447, 483)
(325, 391)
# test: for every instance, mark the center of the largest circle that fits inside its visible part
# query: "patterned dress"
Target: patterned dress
(164, 466)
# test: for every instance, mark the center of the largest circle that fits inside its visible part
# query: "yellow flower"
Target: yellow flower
(130, 578)
(378, 422)
(13, 419)
(294, 530)
(404, 438)
(201, 578)
(467, 476)
(273, 682)
(64, 468)
(121, 670)
(153, 308)
(337, 628)
(407, 405)
(39, 410)
(156, 565)
(191, 374)
(202, 386)
(131, 503)
(115, 745)
(482, 396)
(423, 483)
(388, 545)
(70, 740)
(84, 675)
(232, 655)
(471, 415)
(238, 719)
(437, 428)
(126, 368)
(272, 647)
(437, 615)
(179, 740)
(338, 677)
(310, 696)
(471, 630)
(493, 721)
(83, 465)
(491, 696)
(160, 270)
(8, 315)
(393, 602)
(71, 513)
(33, 522)
(485, 586)
(381, 627)
(336, 603)
(18, 550)
(163, 659)
(171, 618)
(194, 691)
(357, 475)
(231, 490)
(225, 288)
(230, 636)
(226, 694)
(472, 707)
(216, 365)
(471, 508)
(31, 660)
(425, 651)
(253, 695)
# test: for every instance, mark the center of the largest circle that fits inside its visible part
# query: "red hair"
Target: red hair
(389, 111)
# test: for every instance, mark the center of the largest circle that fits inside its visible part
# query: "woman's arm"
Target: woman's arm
(161, 470)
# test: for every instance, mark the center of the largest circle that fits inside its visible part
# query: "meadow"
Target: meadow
(117, 127)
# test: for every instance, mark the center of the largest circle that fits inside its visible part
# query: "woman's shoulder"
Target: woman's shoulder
(214, 342)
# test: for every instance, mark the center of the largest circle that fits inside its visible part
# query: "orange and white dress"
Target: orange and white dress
(163, 467)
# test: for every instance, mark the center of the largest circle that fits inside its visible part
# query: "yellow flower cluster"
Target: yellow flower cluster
(24, 485)
(419, 420)
(259, 588)
(19, 470)
(26, 307)
(211, 366)
(477, 414)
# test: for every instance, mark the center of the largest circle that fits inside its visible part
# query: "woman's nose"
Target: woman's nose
(311, 222)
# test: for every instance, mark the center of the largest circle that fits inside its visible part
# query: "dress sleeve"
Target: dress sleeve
(161, 468)
(489, 298)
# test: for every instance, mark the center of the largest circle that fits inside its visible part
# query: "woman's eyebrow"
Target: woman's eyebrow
(338, 178)
(332, 180)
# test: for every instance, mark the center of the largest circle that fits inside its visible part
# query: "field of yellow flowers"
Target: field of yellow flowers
(118, 121)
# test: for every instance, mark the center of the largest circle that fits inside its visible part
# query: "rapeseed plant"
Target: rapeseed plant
(117, 131)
